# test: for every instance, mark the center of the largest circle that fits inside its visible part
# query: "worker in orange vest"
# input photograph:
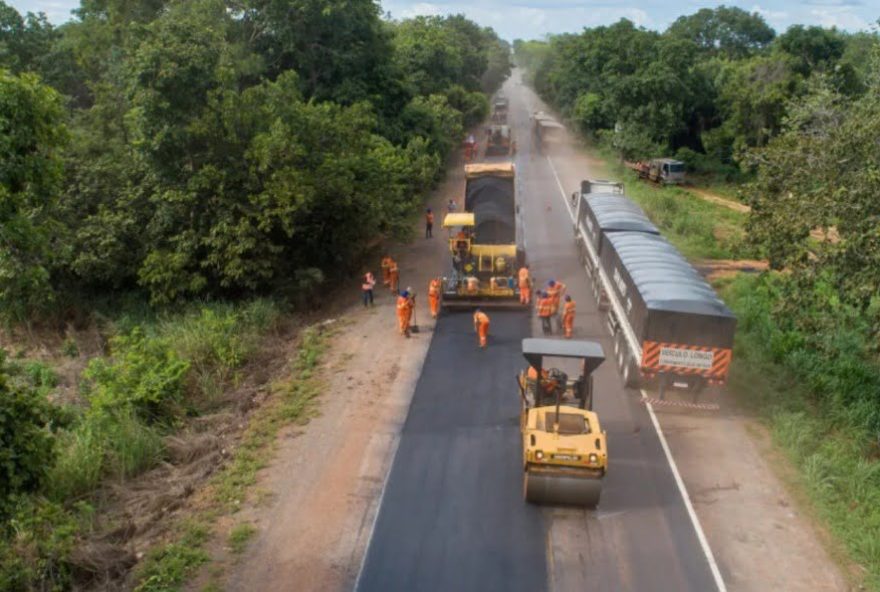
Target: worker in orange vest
(429, 223)
(525, 285)
(393, 276)
(386, 270)
(568, 316)
(481, 326)
(555, 290)
(434, 296)
(545, 311)
(404, 312)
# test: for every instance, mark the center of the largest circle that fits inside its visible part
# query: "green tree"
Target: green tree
(31, 133)
(729, 31)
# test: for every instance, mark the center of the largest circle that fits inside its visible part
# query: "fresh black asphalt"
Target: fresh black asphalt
(452, 517)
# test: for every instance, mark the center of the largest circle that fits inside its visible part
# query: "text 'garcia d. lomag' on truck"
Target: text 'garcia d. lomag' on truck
(670, 328)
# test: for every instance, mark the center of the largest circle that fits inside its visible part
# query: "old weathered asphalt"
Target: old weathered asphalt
(453, 518)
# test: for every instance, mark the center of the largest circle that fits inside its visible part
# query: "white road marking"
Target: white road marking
(701, 536)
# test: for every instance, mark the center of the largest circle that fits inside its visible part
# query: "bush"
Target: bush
(27, 424)
(144, 376)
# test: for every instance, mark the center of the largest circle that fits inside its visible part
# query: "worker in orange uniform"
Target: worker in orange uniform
(525, 285)
(386, 270)
(555, 290)
(568, 316)
(545, 311)
(429, 223)
(404, 312)
(393, 276)
(434, 296)
(481, 326)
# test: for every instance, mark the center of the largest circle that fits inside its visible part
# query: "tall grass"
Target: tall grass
(821, 404)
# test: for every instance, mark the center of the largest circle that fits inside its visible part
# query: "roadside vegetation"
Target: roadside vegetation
(795, 118)
(182, 182)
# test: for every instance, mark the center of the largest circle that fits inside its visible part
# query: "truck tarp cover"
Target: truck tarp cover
(491, 199)
(665, 298)
(610, 212)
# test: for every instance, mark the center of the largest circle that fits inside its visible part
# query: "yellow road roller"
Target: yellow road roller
(565, 456)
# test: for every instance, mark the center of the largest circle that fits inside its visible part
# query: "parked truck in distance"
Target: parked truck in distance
(499, 141)
(670, 328)
(664, 171)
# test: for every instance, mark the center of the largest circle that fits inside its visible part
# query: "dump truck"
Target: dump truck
(499, 110)
(664, 171)
(485, 241)
(546, 132)
(670, 328)
(499, 140)
(565, 456)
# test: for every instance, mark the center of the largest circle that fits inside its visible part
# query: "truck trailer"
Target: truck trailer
(669, 326)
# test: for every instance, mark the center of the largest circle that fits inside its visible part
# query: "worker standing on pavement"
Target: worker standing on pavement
(393, 276)
(386, 270)
(404, 312)
(556, 290)
(434, 296)
(525, 285)
(481, 327)
(568, 316)
(429, 223)
(367, 288)
(545, 311)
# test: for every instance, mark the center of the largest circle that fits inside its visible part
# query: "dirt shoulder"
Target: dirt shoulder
(324, 487)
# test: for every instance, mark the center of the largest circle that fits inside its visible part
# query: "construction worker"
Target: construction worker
(386, 270)
(481, 327)
(545, 311)
(555, 290)
(568, 316)
(404, 312)
(434, 296)
(429, 223)
(451, 206)
(393, 276)
(525, 285)
(367, 288)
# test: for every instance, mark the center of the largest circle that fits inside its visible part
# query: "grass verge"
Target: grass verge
(169, 566)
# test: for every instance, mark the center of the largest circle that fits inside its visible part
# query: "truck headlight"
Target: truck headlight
(594, 458)
(539, 455)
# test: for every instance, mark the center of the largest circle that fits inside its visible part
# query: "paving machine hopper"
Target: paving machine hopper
(564, 450)
(484, 241)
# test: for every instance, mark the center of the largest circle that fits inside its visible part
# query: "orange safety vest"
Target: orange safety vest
(545, 307)
(524, 276)
(434, 287)
(429, 217)
(404, 305)
(369, 281)
(569, 308)
(481, 319)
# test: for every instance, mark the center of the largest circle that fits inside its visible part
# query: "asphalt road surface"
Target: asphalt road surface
(452, 517)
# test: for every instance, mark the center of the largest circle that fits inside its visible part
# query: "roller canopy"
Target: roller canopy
(589, 351)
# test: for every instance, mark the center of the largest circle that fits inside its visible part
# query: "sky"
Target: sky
(533, 19)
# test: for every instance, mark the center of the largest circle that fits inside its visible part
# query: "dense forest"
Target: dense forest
(198, 148)
(191, 157)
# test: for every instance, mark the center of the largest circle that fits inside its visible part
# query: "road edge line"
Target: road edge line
(682, 489)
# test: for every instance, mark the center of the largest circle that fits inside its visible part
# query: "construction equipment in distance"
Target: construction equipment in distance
(485, 241)
(499, 140)
(669, 326)
(565, 456)
(664, 171)
(499, 110)
(546, 131)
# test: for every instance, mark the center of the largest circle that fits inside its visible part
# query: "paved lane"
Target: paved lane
(452, 517)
